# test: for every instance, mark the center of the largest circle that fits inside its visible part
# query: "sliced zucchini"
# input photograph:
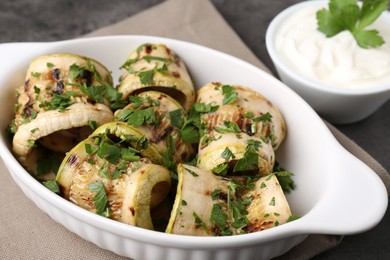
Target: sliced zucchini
(249, 110)
(269, 207)
(130, 197)
(194, 201)
(118, 131)
(156, 67)
(209, 205)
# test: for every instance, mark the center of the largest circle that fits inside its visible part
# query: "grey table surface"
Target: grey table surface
(42, 20)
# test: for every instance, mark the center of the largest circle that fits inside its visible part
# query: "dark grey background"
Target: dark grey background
(43, 20)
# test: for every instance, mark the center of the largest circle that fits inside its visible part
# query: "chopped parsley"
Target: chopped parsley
(146, 77)
(250, 160)
(284, 178)
(58, 102)
(35, 74)
(292, 218)
(228, 127)
(52, 185)
(112, 152)
(193, 173)
(272, 202)
(230, 95)
(227, 154)
(199, 223)
(93, 124)
(187, 126)
(140, 112)
(204, 108)
(265, 118)
(215, 194)
(168, 160)
(100, 200)
(219, 218)
(221, 169)
(82, 77)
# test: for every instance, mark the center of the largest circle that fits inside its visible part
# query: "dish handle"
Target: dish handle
(355, 203)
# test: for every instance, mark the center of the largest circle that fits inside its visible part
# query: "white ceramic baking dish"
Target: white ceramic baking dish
(336, 193)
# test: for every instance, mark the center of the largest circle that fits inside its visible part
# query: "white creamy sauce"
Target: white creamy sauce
(335, 61)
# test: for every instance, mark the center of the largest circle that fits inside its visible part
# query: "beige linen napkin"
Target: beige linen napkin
(28, 233)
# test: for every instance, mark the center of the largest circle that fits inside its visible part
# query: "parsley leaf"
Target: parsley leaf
(52, 185)
(230, 95)
(146, 77)
(292, 218)
(228, 127)
(265, 118)
(199, 223)
(189, 134)
(347, 15)
(100, 200)
(204, 108)
(219, 218)
(60, 102)
(221, 169)
(137, 118)
(250, 160)
(284, 178)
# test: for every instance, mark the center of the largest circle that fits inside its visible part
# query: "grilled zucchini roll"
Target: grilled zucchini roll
(156, 114)
(269, 206)
(117, 132)
(106, 174)
(210, 205)
(156, 67)
(194, 201)
(62, 95)
(243, 107)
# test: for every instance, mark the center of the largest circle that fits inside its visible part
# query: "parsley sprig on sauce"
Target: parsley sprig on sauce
(348, 15)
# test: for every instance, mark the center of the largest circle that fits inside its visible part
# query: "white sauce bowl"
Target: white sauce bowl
(339, 105)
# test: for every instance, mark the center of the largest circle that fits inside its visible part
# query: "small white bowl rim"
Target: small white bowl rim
(305, 81)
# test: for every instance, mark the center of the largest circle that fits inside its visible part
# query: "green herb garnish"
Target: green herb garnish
(192, 172)
(230, 95)
(199, 223)
(348, 15)
(100, 200)
(52, 185)
(93, 124)
(219, 218)
(204, 108)
(292, 218)
(250, 160)
(284, 177)
(221, 169)
(227, 154)
(60, 102)
(228, 127)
